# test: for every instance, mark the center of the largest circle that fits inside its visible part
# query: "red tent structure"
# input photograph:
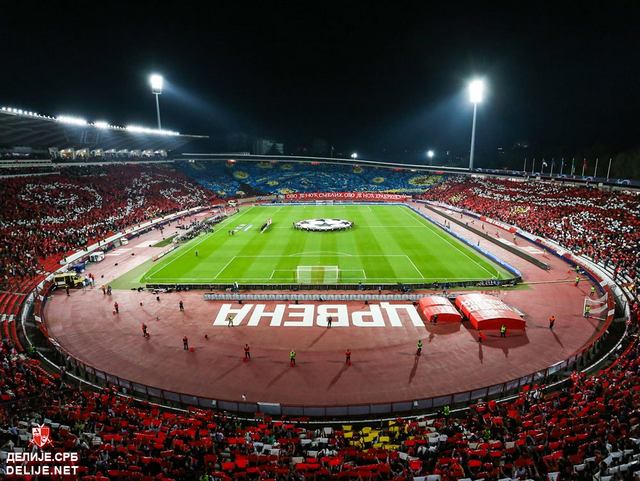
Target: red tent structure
(431, 305)
(488, 313)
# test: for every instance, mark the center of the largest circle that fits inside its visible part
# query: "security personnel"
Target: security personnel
(593, 290)
(292, 358)
(587, 311)
(419, 350)
(577, 281)
(503, 331)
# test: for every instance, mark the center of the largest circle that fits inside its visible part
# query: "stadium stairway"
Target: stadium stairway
(10, 306)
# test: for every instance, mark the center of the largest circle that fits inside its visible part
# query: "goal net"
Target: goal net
(317, 274)
(597, 308)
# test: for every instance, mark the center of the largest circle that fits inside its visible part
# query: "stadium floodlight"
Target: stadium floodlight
(101, 124)
(157, 82)
(431, 154)
(145, 130)
(476, 95)
(68, 119)
(476, 91)
(354, 155)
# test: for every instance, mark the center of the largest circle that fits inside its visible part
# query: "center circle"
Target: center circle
(323, 225)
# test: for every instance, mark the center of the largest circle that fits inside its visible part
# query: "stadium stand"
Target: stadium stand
(588, 430)
(44, 217)
(229, 179)
(603, 225)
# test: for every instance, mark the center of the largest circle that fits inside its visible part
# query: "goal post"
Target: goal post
(317, 274)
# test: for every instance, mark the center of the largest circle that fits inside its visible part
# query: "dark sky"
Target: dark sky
(381, 78)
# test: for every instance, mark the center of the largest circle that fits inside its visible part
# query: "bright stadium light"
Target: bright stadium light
(354, 155)
(145, 130)
(157, 82)
(476, 95)
(101, 124)
(431, 154)
(476, 91)
(68, 119)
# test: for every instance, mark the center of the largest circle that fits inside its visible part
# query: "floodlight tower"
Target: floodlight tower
(430, 154)
(476, 95)
(157, 82)
(354, 155)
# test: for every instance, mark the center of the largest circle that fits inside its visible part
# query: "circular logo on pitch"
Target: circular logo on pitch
(323, 224)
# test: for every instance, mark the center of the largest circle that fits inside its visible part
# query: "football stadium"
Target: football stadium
(176, 308)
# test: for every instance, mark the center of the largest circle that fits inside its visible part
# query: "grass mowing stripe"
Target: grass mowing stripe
(192, 244)
(456, 245)
(383, 246)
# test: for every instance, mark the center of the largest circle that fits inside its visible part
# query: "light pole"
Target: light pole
(156, 81)
(354, 155)
(476, 95)
(430, 155)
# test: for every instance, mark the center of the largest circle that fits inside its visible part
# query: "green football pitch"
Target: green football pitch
(387, 244)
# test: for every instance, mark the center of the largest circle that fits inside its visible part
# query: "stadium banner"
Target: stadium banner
(380, 196)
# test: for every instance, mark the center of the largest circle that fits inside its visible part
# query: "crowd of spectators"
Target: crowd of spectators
(588, 430)
(604, 225)
(259, 178)
(43, 218)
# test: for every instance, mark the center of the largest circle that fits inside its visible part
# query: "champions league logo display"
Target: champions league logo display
(323, 225)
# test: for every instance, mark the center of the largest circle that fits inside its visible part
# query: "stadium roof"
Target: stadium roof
(29, 129)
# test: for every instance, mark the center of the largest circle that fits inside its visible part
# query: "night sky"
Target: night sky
(384, 79)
